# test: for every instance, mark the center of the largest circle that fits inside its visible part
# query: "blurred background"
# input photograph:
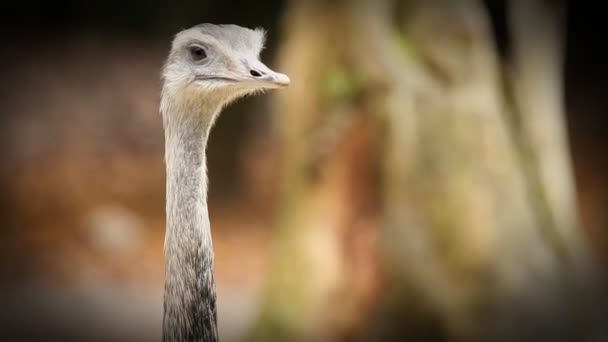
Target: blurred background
(435, 172)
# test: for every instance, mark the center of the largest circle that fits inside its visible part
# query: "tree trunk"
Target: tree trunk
(325, 229)
(478, 231)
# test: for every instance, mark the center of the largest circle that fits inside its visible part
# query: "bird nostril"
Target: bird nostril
(255, 73)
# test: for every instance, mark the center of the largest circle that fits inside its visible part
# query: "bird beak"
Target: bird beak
(280, 80)
(268, 78)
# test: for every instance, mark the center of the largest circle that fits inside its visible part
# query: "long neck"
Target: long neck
(190, 298)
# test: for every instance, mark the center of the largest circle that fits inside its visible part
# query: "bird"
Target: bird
(208, 67)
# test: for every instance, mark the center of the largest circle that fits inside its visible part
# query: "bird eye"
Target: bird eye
(197, 53)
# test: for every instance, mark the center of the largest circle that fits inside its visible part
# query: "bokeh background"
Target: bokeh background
(436, 171)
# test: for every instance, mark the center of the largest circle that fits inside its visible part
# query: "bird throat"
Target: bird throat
(190, 297)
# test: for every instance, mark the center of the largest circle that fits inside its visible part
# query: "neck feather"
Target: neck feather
(190, 297)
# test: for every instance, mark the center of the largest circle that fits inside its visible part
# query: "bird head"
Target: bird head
(215, 64)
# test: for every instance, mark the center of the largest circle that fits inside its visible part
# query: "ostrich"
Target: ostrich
(208, 67)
